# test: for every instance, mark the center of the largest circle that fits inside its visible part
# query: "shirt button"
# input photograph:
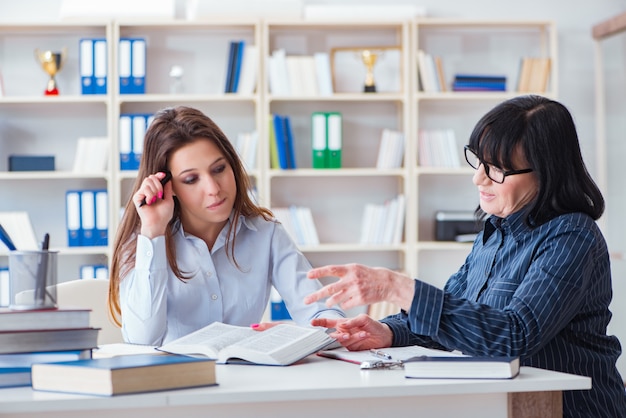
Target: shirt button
(214, 297)
(209, 273)
(149, 253)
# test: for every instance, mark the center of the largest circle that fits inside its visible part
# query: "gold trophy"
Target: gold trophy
(369, 58)
(51, 62)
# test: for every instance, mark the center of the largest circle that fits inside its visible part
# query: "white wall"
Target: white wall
(574, 19)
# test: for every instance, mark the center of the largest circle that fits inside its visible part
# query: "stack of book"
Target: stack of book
(431, 74)
(246, 146)
(391, 149)
(476, 82)
(384, 223)
(534, 75)
(298, 221)
(437, 148)
(29, 337)
(300, 75)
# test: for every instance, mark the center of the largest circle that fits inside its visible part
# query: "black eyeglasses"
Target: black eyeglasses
(494, 173)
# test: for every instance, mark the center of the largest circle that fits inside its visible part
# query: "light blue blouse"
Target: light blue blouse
(157, 307)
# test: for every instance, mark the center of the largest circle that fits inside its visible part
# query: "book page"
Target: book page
(281, 345)
(276, 338)
(209, 340)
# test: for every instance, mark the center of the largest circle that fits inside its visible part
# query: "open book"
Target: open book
(280, 345)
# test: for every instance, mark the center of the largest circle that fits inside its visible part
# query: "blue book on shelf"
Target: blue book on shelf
(230, 68)
(291, 151)
(238, 60)
(479, 77)
(281, 142)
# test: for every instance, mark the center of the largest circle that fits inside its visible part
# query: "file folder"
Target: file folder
(318, 140)
(124, 65)
(334, 139)
(86, 64)
(102, 218)
(125, 137)
(87, 217)
(138, 134)
(138, 66)
(100, 66)
(72, 219)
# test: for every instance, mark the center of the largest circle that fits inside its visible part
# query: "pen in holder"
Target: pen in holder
(33, 279)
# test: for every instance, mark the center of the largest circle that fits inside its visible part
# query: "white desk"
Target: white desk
(314, 388)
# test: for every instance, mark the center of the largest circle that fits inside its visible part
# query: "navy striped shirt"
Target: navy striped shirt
(541, 294)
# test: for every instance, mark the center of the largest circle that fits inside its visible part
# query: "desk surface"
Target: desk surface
(314, 379)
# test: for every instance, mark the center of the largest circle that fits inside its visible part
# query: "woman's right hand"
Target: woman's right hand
(156, 213)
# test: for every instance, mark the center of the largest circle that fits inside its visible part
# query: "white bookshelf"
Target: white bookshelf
(488, 47)
(336, 197)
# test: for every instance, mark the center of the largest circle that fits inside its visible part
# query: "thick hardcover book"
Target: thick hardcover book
(15, 368)
(28, 359)
(48, 340)
(31, 162)
(14, 376)
(124, 374)
(62, 318)
(281, 345)
(465, 367)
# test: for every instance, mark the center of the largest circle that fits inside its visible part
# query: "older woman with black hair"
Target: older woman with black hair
(537, 282)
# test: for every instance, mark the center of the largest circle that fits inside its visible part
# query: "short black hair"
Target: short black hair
(544, 130)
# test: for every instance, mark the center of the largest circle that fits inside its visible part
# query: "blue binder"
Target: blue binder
(86, 66)
(138, 66)
(140, 124)
(132, 65)
(101, 236)
(100, 66)
(126, 142)
(72, 218)
(88, 218)
(124, 65)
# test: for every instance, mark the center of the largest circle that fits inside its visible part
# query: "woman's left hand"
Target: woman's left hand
(361, 285)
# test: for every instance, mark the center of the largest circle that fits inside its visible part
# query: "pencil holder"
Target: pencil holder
(33, 279)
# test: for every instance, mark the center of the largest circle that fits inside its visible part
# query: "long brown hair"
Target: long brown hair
(171, 129)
